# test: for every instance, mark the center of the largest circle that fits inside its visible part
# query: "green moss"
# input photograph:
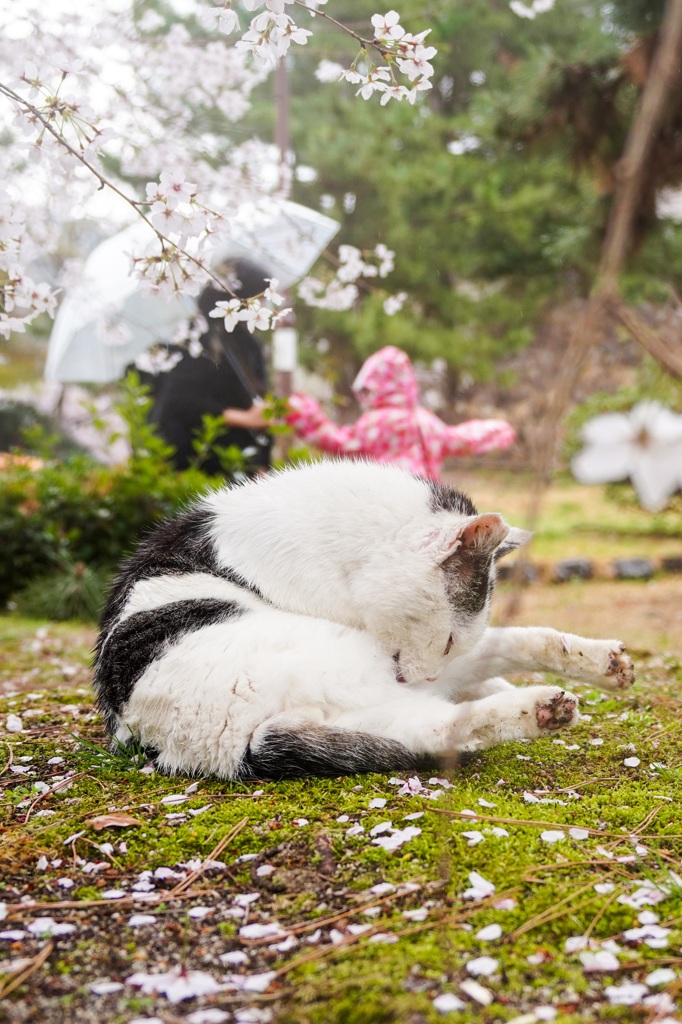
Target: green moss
(321, 872)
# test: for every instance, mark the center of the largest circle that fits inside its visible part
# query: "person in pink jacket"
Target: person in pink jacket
(393, 427)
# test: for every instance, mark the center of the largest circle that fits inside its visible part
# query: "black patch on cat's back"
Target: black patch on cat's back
(125, 654)
(447, 499)
(176, 546)
(318, 751)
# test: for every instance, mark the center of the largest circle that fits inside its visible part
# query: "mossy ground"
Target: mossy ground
(321, 872)
(318, 878)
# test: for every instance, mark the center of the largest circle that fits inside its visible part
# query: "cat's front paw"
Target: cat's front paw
(558, 711)
(621, 671)
(600, 663)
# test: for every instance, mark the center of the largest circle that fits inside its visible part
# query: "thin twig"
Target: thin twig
(186, 882)
(19, 909)
(602, 910)
(350, 940)
(648, 819)
(48, 792)
(587, 782)
(553, 911)
(324, 922)
(11, 758)
(35, 964)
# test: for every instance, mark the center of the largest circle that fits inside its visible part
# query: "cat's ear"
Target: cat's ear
(477, 535)
(516, 538)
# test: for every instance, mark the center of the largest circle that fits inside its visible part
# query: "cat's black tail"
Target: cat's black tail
(318, 750)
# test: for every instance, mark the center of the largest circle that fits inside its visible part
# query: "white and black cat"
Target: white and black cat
(327, 619)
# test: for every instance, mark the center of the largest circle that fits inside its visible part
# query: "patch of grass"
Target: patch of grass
(318, 878)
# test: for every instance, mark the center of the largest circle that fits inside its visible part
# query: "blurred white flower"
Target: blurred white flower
(329, 71)
(644, 445)
(176, 984)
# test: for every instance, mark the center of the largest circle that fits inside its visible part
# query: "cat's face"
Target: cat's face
(447, 610)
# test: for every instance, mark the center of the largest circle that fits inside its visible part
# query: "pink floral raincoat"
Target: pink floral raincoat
(394, 427)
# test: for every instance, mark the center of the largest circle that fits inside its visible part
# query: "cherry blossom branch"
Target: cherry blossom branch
(135, 204)
(360, 40)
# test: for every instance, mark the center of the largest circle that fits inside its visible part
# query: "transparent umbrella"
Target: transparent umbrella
(107, 320)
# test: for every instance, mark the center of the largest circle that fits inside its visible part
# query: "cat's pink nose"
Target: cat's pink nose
(431, 679)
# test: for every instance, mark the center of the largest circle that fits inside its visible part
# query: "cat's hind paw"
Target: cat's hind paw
(558, 711)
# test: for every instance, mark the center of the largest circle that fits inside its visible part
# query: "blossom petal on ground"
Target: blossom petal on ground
(489, 933)
(383, 826)
(629, 993)
(48, 926)
(420, 914)
(176, 985)
(661, 976)
(476, 991)
(381, 888)
(552, 836)
(448, 1002)
(235, 956)
(396, 838)
(262, 931)
(482, 965)
(200, 912)
(104, 988)
(140, 920)
(212, 1015)
(253, 982)
(480, 887)
(602, 960)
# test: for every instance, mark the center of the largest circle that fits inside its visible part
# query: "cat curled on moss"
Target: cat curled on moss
(324, 620)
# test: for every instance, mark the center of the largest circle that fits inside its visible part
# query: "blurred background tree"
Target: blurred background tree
(499, 186)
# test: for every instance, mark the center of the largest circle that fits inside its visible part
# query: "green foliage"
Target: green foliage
(233, 461)
(72, 511)
(486, 239)
(75, 591)
(23, 427)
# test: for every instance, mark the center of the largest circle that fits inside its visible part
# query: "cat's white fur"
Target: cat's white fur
(339, 600)
(373, 560)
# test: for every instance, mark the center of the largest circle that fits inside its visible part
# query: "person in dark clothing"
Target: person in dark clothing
(230, 371)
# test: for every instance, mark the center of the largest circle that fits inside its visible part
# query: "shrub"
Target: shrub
(72, 592)
(77, 511)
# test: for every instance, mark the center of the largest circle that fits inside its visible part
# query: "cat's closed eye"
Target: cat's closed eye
(448, 646)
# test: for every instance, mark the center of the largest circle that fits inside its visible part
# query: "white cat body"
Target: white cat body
(373, 560)
(325, 620)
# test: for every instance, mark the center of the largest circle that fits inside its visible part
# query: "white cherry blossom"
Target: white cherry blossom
(329, 71)
(224, 18)
(387, 27)
(161, 87)
(644, 445)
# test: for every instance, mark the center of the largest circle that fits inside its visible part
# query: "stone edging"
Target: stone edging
(585, 569)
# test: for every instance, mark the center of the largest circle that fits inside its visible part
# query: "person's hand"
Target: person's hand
(252, 418)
